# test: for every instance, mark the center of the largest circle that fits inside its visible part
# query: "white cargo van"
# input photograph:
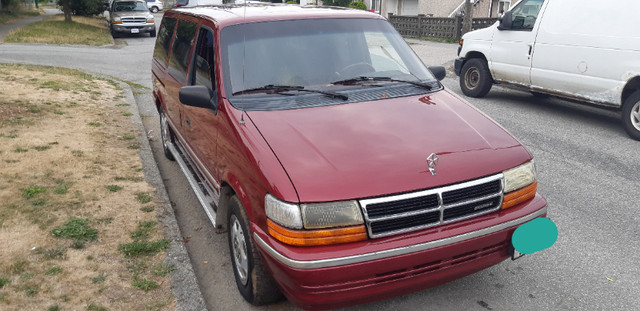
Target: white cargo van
(585, 50)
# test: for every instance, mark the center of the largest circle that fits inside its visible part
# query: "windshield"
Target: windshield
(128, 6)
(315, 54)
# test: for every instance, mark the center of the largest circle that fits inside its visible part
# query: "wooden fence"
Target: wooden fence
(435, 27)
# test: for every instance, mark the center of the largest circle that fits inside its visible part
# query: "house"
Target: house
(438, 8)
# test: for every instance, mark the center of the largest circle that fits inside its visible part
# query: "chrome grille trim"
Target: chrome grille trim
(492, 200)
(134, 20)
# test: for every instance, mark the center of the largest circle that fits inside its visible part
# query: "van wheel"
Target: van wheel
(252, 279)
(166, 136)
(475, 78)
(631, 115)
(152, 33)
(154, 10)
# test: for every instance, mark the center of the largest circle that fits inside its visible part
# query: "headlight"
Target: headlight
(332, 214)
(519, 184)
(150, 19)
(283, 213)
(316, 223)
(116, 20)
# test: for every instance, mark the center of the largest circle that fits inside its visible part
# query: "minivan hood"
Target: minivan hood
(376, 148)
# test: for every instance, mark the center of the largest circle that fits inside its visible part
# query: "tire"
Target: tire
(152, 33)
(254, 283)
(631, 115)
(166, 136)
(475, 78)
(154, 10)
(114, 34)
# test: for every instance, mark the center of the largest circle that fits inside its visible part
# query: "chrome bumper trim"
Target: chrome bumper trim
(340, 261)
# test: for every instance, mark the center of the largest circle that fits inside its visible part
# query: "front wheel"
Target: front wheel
(475, 78)
(252, 279)
(631, 115)
(154, 10)
(152, 33)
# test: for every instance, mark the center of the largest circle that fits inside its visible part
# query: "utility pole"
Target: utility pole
(468, 17)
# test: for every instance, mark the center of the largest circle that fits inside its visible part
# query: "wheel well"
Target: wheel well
(226, 192)
(632, 86)
(474, 54)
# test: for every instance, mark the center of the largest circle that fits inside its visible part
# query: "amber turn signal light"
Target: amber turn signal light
(316, 237)
(516, 197)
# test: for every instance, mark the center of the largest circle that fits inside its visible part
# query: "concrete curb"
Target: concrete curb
(184, 284)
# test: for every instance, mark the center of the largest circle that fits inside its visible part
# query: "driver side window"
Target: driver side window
(524, 15)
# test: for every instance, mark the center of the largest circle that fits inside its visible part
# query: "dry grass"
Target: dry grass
(61, 224)
(54, 30)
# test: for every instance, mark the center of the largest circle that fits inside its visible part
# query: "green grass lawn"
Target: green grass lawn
(82, 30)
(9, 15)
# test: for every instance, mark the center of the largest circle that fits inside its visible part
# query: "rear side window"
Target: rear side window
(181, 50)
(163, 42)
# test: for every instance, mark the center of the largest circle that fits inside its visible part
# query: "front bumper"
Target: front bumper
(457, 65)
(127, 28)
(381, 268)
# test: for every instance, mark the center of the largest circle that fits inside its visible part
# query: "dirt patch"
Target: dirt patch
(68, 152)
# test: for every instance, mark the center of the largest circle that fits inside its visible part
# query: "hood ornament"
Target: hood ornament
(432, 162)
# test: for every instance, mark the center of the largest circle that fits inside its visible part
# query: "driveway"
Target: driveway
(587, 169)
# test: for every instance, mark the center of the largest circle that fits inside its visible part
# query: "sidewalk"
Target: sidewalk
(435, 53)
(6, 28)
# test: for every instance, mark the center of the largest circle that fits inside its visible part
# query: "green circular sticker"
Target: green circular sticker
(535, 236)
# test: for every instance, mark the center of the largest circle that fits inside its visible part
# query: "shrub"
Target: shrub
(84, 7)
(358, 5)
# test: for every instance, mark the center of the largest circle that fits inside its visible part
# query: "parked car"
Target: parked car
(575, 49)
(155, 5)
(130, 17)
(340, 167)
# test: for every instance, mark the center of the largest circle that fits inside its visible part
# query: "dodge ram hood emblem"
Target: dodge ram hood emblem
(432, 161)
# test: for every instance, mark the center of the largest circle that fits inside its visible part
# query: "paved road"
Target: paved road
(587, 169)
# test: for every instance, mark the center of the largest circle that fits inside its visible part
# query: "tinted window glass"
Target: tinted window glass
(163, 42)
(129, 6)
(314, 54)
(185, 34)
(203, 71)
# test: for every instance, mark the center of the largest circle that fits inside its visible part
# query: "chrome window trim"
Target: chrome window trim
(441, 206)
(341, 261)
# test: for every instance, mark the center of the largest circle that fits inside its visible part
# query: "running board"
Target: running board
(205, 200)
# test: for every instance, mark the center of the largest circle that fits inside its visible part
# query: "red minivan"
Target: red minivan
(340, 167)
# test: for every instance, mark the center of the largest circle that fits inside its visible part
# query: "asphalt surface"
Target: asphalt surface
(587, 170)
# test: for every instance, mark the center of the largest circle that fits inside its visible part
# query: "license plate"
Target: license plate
(516, 254)
(135, 30)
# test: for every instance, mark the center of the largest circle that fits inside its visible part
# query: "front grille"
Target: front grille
(418, 210)
(137, 20)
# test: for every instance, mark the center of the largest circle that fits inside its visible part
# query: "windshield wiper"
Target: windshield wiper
(270, 88)
(384, 79)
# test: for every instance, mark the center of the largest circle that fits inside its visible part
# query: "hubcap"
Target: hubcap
(471, 78)
(239, 250)
(635, 116)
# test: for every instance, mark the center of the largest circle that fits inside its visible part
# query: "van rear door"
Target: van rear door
(512, 47)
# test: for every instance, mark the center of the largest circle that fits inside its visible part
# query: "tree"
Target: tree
(468, 17)
(66, 9)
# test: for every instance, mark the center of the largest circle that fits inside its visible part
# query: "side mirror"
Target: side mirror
(506, 21)
(438, 71)
(199, 96)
